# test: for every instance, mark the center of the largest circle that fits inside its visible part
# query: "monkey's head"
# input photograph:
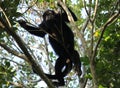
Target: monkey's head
(49, 15)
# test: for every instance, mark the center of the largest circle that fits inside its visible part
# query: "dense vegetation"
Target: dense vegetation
(97, 39)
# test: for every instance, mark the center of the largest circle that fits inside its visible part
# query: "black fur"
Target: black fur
(61, 39)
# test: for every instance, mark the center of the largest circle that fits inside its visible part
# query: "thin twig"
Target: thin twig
(85, 25)
(88, 12)
(14, 52)
(13, 61)
(49, 62)
(6, 17)
(95, 10)
(21, 44)
(31, 6)
(16, 84)
(79, 34)
(103, 28)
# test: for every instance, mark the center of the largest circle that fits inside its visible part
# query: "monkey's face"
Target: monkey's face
(49, 15)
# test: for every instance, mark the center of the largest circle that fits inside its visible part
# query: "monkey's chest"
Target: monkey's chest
(61, 37)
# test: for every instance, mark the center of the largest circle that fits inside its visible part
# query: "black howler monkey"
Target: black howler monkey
(61, 39)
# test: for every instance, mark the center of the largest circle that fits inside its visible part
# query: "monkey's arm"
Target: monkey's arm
(38, 31)
(64, 14)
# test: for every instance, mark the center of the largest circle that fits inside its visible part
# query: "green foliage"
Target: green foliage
(6, 73)
(107, 61)
(52, 56)
(10, 8)
(46, 0)
(105, 10)
(85, 60)
(100, 86)
(109, 57)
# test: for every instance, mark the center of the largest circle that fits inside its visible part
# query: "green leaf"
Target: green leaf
(84, 60)
(7, 64)
(100, 86)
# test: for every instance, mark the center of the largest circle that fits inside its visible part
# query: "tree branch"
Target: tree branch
(95, 10)
(109, 21)
(79, 34)
(21, 44)
(14, 52)
(88, 12)
(5, 17)
(17, 84)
